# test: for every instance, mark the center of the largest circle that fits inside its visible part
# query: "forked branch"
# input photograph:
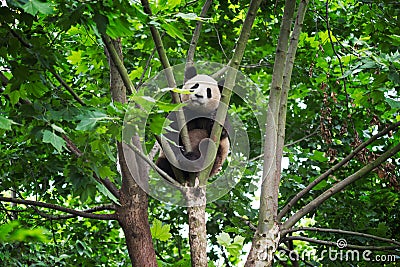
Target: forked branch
(326, 174)
(339, 187)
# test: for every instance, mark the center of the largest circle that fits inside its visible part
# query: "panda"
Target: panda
(200, 110)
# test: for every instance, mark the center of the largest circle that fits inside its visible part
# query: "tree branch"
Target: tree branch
(140, 82)
(75, 150)
(270, 178)
(339, 231)
(118, 63)
(152, 164)
(328, 27)
(229, 84)
(339, 187)
(106, 182)
(50, 69)
(170, 78)
(267, 229)
(83, 214)
(63, 217)
(196, 35)
(67, 87)
(287, 76)
(303, 138)
(334, 244)
(299, 195)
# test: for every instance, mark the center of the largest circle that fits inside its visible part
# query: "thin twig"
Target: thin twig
(326, 174)
(50, 69)
(106, 182)
(63, 217)
(153, 165)
(335, 244)
(140, 82)
(59, 208)
(303, 138)
(339, 231)
(339, 186)
(220, 44)
(340, 64)
(196, 35)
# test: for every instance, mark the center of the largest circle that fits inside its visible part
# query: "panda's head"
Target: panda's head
(205, 93)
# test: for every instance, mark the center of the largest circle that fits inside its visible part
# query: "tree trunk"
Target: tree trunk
(198, 236)
(266, 239)
(132, 214)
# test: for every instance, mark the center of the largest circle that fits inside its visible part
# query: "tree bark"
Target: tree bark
(198, 235)
(132, 214)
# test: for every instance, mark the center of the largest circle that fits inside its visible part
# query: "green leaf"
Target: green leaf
(75, 57)
(396, 39)
(5, 123)
(105, 172)
(393, 103)
(57, 142)
(14, 97)
(157, 123)
(37, 234)
(173, 31)
(319, 156)
(159, 231)
(101, 22)
(239, 240)
(110, 155)
(224, 239)
(89, 120)
(136, 73)
(188, 16)
(10, 232)
(6, 229)
(36, 89)
(119, 27)
(57, 129)
(33, 7)
(145, 102)
(321, 185)
(173, 3)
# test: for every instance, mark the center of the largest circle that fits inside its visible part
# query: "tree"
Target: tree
(69, 68)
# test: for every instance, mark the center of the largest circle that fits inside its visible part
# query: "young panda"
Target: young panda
(202, 103)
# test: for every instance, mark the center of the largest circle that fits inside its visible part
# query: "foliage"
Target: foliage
(345, 88)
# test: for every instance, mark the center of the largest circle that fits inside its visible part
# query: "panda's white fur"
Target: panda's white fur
(201, 103)
(205, 94)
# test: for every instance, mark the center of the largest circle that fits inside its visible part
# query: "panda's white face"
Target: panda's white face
(204, 94)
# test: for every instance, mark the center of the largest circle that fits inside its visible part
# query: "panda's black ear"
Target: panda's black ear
(221, 85)
(190, 72)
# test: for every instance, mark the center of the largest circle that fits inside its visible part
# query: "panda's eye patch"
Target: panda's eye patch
(195, 86)
(209, 93)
